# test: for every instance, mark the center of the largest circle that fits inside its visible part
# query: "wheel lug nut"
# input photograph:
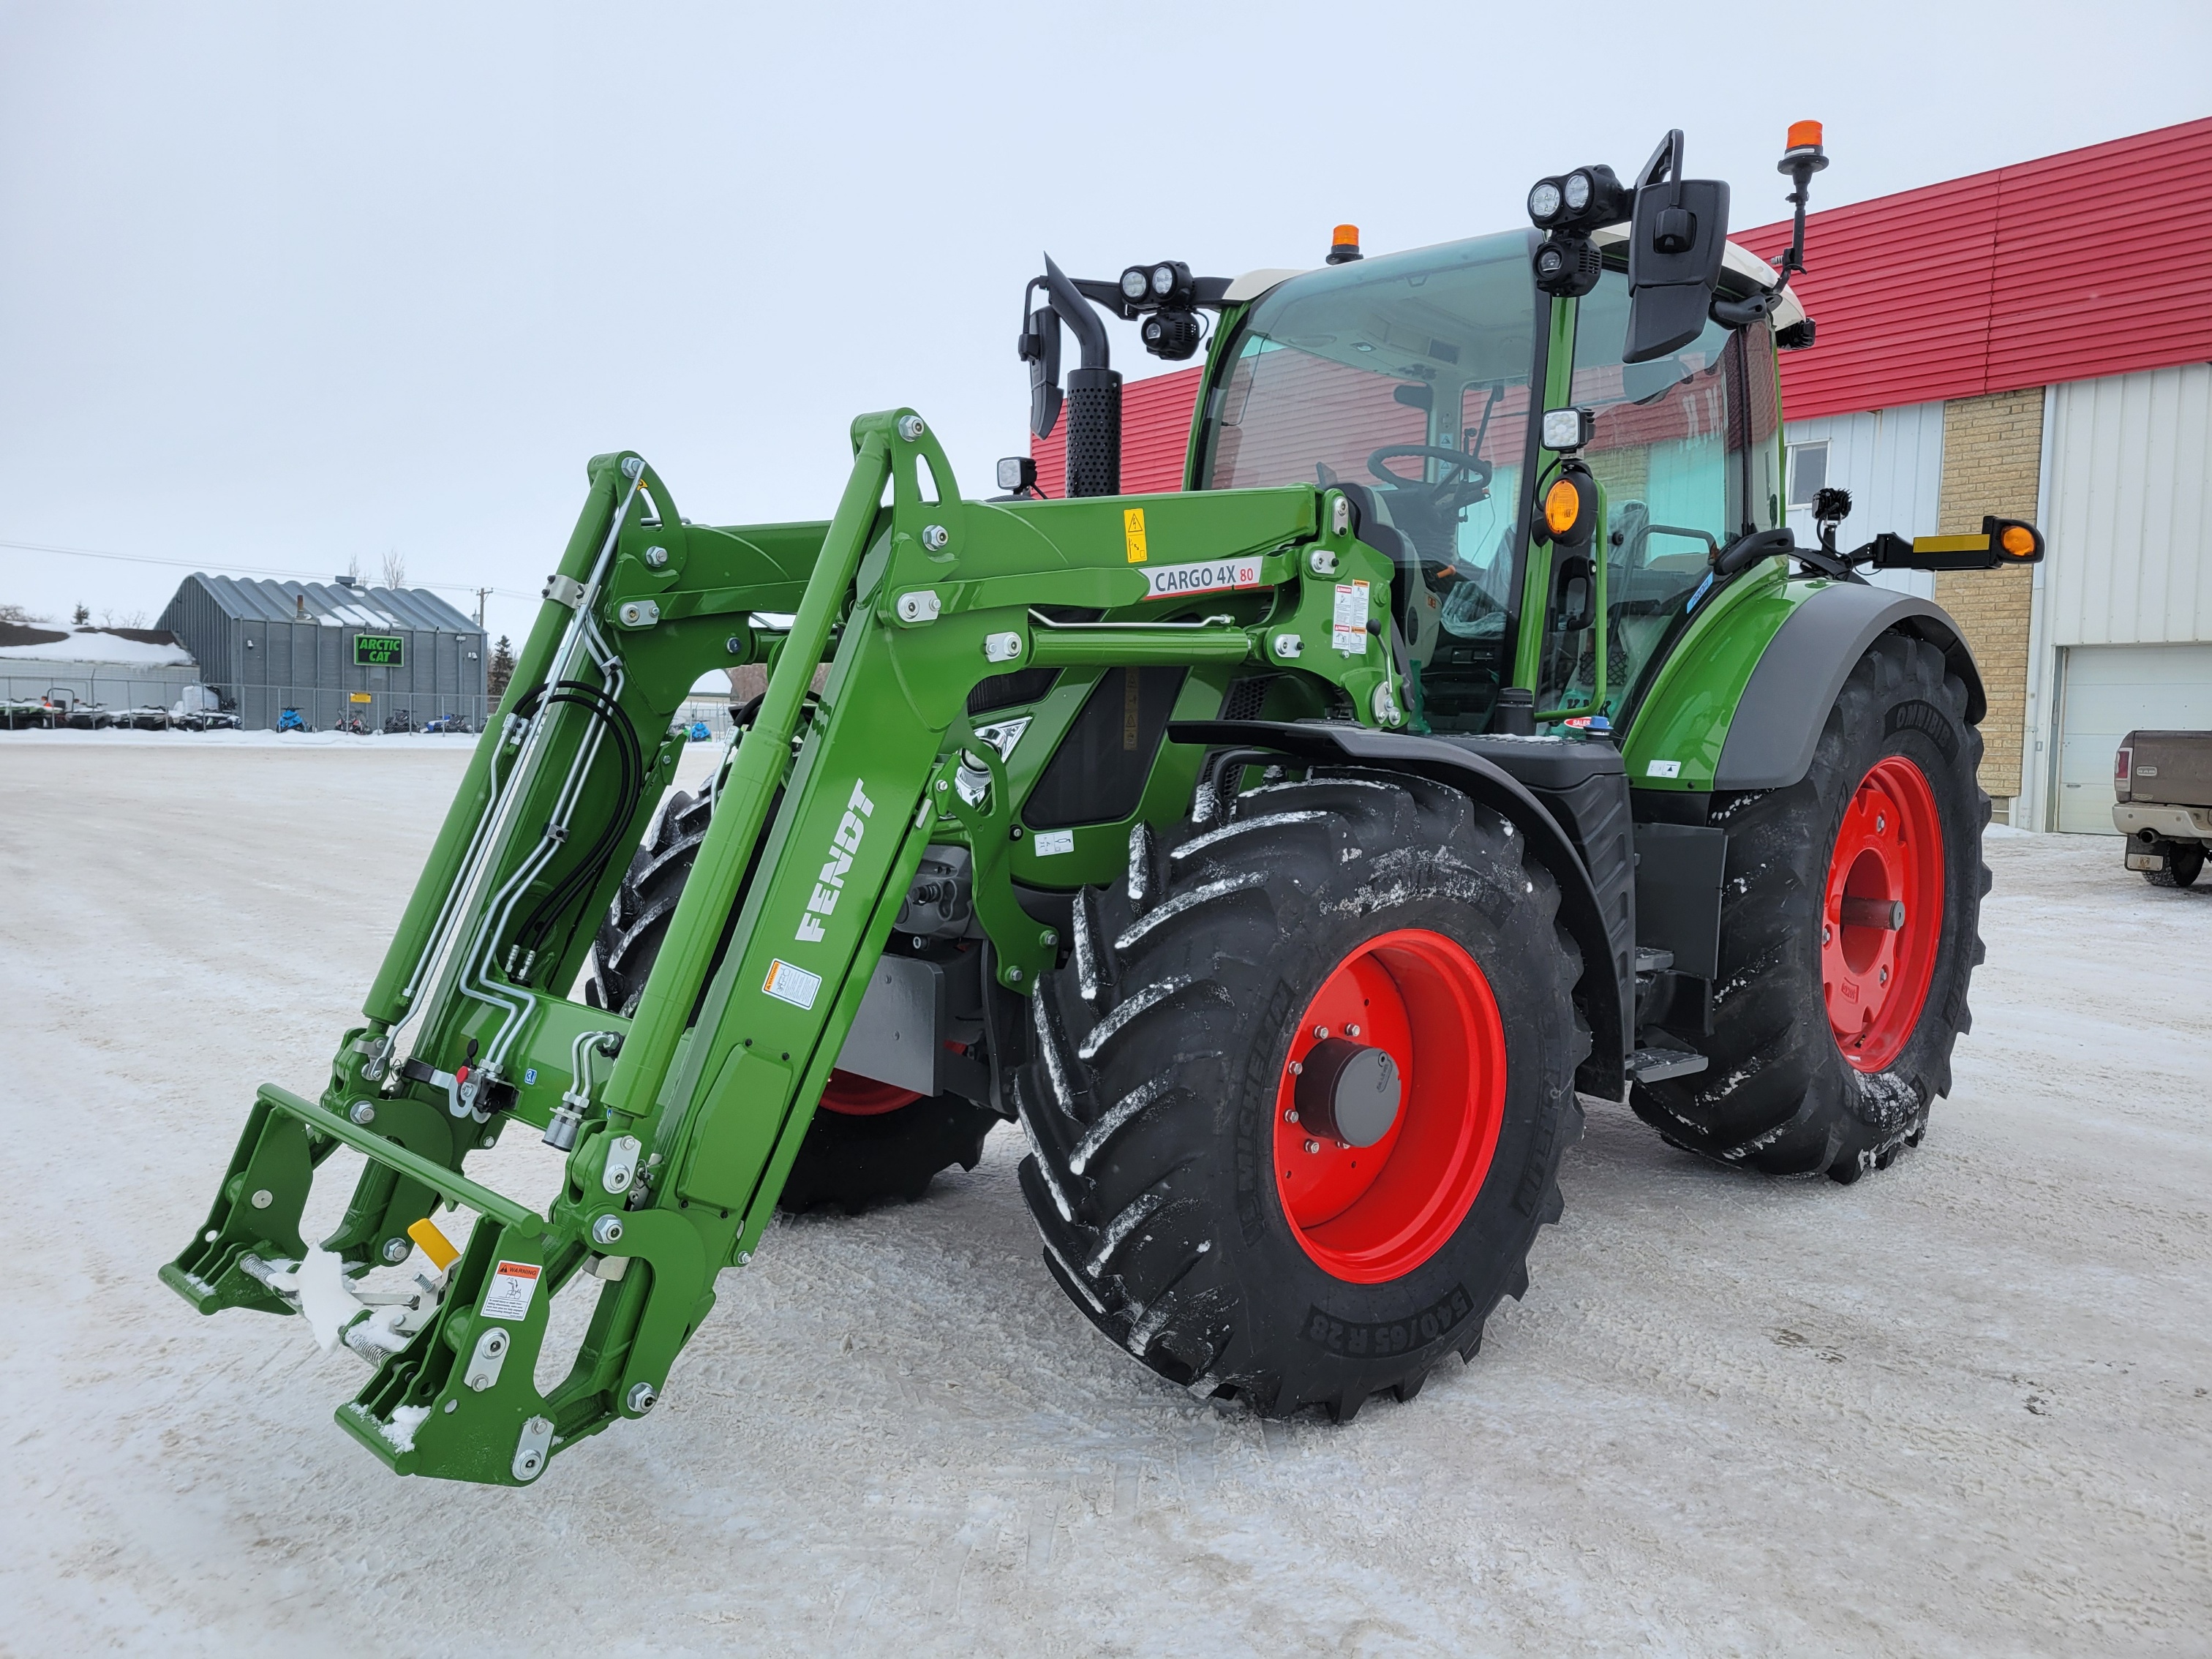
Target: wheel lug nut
(1880, 823)
(1352, 1030)
(1826, 932)
(1320, 1031)
(1313, 1145)
(1297, 1068)
(1290, 1117)
(1885, 977)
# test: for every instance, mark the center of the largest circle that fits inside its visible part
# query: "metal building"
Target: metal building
(387, 656)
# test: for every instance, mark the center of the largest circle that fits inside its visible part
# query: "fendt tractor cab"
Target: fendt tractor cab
(1283, 853)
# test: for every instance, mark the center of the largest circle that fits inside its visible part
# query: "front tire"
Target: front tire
(1231, 1249)
(867, 1143)
(1832, 1027)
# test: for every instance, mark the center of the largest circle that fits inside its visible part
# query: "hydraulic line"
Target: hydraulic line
(588, 872)
(579, 640)
(515, 1002)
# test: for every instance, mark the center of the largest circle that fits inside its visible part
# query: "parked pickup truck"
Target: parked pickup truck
(2164, 783)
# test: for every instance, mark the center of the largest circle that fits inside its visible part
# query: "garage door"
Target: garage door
(2110, 690)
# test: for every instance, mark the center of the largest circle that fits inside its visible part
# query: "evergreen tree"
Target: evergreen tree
(500, 669)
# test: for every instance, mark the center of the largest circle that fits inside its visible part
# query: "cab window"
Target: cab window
(1685, 447)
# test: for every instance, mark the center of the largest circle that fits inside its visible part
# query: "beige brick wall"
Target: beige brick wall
(1992, 459)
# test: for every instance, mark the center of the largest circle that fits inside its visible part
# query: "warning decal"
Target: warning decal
(513, 1284)
(792, 985)
(1348, 626)
(1171, 581)
(1132, 532)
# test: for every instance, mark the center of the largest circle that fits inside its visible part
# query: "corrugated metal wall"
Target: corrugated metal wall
(264, 653)
(1155, 434)
(2091, 261)
(1892, 461)
(2127, 509)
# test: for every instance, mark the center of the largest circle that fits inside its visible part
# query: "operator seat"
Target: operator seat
(1370, 523)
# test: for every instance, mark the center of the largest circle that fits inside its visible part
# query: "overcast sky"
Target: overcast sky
(286, 285)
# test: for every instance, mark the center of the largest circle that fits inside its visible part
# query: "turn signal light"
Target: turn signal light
(1562, 503)
(1567, 515)
(2018, 540)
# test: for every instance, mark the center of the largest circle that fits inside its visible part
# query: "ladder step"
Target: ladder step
(1651, 1065)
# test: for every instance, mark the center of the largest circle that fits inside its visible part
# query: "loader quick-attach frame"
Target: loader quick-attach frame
(683, 1119)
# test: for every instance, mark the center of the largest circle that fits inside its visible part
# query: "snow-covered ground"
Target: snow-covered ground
(1960, 1408)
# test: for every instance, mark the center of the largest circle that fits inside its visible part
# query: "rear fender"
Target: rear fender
(1741, 703)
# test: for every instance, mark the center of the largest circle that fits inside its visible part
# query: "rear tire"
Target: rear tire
(1156, 1107)
(849, 1159)
(2185, 862)
(1780, 1096)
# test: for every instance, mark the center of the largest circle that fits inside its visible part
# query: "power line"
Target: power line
(241, 569)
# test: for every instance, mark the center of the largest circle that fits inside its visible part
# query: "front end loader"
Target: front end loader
(1283, 853)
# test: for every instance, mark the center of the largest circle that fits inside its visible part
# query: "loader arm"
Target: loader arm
(679, 1125)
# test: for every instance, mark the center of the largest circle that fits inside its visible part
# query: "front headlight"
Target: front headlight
(1545, 201)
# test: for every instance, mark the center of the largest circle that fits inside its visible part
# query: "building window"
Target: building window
(1808, 471)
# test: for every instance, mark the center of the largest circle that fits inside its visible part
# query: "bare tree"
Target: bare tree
(18, 614)
(395, 569)
(353, 570)
(122, 619)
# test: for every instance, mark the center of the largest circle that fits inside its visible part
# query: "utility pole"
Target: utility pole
(481, 591)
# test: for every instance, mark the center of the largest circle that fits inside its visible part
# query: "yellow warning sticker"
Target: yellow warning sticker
(1132, 532)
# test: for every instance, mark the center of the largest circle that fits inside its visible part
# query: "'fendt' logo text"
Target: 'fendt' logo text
(844, 847)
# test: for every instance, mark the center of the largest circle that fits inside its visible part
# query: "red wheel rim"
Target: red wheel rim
(1370, 1213)
(1889, 852)
(863, 1096)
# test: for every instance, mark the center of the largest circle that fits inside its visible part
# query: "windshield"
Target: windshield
(1408, 375)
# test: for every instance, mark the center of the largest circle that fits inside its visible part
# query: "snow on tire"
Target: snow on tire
(1185, 1206)
(1849, 933)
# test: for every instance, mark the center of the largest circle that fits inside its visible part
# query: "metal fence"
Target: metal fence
(88, 694)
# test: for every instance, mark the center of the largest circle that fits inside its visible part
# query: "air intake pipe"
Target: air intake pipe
(1094, 395)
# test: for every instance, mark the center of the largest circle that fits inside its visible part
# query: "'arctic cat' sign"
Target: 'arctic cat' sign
(380, 651)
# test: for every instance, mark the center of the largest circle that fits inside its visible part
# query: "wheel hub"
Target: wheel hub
(1881, 917)
(1347, 1091)
(1388, 1110)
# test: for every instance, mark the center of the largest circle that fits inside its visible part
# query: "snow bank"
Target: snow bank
(117, 737)
(99, 650)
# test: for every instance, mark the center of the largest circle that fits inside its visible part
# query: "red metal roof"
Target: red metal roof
(1155, 434)
(2093, 262)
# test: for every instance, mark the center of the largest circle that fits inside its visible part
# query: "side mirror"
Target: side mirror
(1039, 347)
(1676, 238)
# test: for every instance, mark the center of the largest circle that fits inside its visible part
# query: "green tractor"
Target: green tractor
(1282, 853)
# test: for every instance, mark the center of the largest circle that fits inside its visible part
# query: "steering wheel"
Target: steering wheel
(1477, 470)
